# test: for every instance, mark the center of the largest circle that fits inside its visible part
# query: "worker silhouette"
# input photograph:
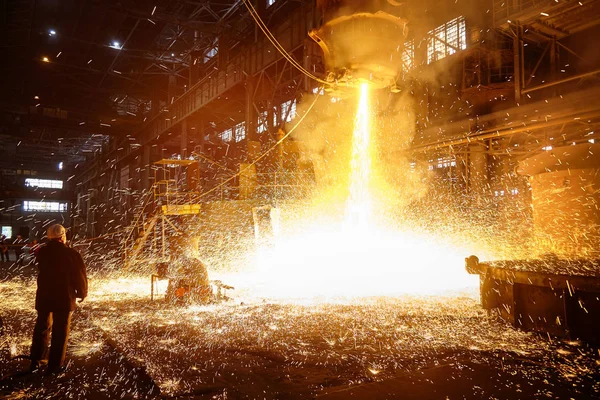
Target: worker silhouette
(188, 275)
(61, 279)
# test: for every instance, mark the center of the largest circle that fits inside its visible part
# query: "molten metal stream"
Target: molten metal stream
(329, 258)
(359, 198)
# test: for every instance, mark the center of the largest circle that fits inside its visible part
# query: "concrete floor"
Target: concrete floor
(124, 346)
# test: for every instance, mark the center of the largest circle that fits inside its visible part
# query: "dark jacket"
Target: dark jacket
(61, 279)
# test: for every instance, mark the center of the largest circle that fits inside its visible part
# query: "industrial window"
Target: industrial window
(212, 51)
(227, 135)
(7, 231)
(240, 131)
(408, 55)
(43, 183)
(446, 39)
(44, 206)
(262, 122)
(288, 110)
(443, 162)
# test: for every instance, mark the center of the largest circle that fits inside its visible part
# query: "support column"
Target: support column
(270, 117)
(251, 115)
(195, 139)
(554, 63)
(171, 89)
(478, 171)
(196, 62)
(200, 134)
(155, 105)
(146, 167)
(223, 53)
(184, 151)
(518, 61)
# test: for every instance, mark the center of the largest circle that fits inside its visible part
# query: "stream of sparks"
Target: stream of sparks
(359, 199)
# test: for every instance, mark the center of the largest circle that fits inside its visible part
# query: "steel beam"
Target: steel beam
(257, 57)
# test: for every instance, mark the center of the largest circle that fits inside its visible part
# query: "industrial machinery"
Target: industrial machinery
(557, 296)
(360, 42)
(559, 292)
(190, 286)
(565, 185)
(186, 275)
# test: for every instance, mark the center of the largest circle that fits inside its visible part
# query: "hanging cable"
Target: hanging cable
(263, 27)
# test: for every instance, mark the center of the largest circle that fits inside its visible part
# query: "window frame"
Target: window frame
(44, 183)
(447, 39)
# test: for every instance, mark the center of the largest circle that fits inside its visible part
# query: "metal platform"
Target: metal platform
(181, 209)
(556, 296)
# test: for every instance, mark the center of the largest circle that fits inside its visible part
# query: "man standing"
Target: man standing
(61, 279)
(4, 248)
(18, 244)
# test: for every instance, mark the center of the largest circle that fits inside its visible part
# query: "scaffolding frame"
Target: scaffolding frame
(171, 194)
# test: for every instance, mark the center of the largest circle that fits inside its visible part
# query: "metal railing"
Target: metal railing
(505, 9)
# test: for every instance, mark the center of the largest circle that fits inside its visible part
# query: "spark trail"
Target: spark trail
(359, 198)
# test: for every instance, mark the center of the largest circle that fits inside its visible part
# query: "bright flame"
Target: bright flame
(357, 258)
(331, 262)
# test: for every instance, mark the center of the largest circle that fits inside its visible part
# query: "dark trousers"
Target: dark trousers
(5, 255)
(19, 257)
(60, 334)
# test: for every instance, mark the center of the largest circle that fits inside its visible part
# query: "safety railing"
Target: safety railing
(505, 9)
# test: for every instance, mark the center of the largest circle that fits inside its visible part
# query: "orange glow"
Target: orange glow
(357, 256)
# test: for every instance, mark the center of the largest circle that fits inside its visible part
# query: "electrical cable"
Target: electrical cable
(272, 38)
(277, 45)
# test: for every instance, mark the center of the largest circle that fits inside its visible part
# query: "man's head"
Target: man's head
(57, 232)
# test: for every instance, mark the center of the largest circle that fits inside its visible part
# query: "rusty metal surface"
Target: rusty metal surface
(555, 296)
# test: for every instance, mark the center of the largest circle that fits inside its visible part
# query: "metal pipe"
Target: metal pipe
(550, 84)
(517, 63)
(495, 133)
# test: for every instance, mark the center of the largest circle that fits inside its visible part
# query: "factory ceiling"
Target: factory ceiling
(77, 68)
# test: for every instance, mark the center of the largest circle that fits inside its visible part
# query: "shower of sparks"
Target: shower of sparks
(194, 348)
(356, 257)
(348, 295)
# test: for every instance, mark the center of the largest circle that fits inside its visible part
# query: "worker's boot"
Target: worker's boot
(36, 365)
